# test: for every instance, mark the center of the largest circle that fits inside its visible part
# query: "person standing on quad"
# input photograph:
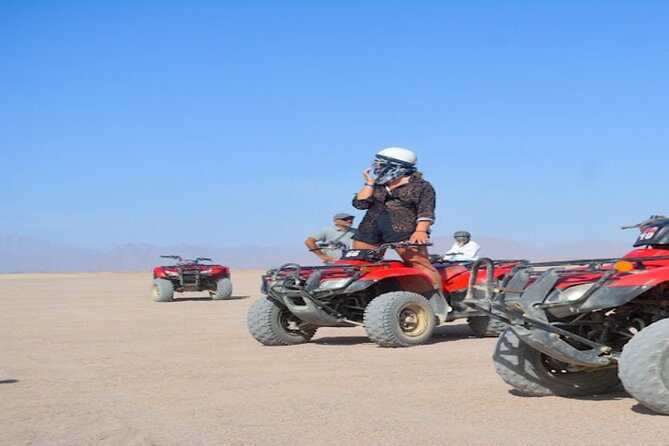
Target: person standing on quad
(400, 206)
(464, 249)
(331, 242)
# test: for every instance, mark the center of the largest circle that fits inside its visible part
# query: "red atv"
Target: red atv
(191, 275)
(396, 304)
(579, 328)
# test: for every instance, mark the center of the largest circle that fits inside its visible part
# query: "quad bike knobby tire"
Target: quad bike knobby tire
(223, 289)
(486, 326)
(162, 290)
(537, 374)
(644, 366)
(399, 319)
(272, 324)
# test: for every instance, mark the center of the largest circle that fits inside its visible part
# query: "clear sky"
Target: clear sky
(250, 122)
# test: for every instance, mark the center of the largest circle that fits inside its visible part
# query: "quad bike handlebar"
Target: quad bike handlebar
(178, 258)
(181, 260)
(395, 245)
(649, 220)
(376, 254)
(379, 248)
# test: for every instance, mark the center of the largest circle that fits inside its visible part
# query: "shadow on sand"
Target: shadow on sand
(206, 299)
(342, 340)
(639, 408)
(9, 381)
(444, 333)
(618, 394)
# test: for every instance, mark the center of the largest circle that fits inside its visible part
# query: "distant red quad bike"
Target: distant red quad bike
(396, 304)
(581, 327)
(191, 275)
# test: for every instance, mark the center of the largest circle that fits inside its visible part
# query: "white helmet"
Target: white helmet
(404, 156)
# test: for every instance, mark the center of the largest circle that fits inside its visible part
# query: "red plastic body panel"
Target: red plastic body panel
(216, 270)
(454, 276)
(645, 273)
(159, 272)
(649, 273)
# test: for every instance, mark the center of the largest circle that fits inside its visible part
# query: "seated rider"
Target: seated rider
(464, 248)
(331, 242)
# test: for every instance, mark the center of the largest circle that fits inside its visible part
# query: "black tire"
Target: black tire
(486, 326)
(223, 289)
(537, 374)
(162, 290)
(272, 324)
(399, 319)
(644, 367)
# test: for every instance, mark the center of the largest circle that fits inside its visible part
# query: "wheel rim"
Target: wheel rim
(413, 320)
(291, 324)
(563, 371)
(154, 291)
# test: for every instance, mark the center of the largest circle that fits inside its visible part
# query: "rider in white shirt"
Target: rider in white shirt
(464, 249)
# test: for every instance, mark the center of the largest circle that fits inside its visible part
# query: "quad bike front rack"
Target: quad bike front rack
(292, 285)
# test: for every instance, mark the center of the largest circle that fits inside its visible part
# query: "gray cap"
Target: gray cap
(342, 216)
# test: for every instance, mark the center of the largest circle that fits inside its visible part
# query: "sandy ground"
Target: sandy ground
(91, 359)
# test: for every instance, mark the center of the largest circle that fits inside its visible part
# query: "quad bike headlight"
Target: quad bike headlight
(172, 273)
(206, 271)
(568, 294)
(333, 283)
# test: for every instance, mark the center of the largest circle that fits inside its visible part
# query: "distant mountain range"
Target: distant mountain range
(19, 254)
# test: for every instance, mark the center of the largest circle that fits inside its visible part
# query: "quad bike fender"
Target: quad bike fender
(159, 273)
(458, 278)
(453, 276)
(219, 272)
(412, 280)
(409, 279)
(648, 278)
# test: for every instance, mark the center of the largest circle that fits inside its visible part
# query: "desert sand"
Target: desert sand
(90, 359)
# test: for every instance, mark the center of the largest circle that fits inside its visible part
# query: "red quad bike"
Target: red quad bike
(191, 275)
(396, 304)
(579, 328)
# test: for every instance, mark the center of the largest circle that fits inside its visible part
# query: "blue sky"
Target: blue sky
(250, 122)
